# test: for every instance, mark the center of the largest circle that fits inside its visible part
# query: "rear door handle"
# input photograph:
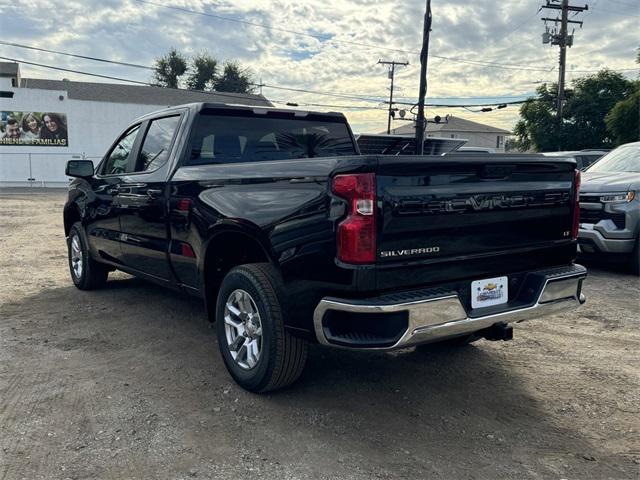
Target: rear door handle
(154, 192)
(113, 190)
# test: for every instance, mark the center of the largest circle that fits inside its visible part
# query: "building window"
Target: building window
(499, 141)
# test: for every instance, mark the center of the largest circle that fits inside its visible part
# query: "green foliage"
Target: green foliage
(594, 96)
(234, 78)
(538, 127)
(169, 68)
(203, 72)
(588, 102)
(623, 121)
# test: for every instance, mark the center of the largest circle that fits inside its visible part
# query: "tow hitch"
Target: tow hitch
(499, 331)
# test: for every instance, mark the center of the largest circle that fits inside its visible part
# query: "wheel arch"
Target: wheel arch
(71, 215)
(228, 247)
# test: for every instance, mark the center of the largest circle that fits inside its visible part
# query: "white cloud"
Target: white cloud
(483, 30)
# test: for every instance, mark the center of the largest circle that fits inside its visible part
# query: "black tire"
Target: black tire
(282, 356)
(93, 275)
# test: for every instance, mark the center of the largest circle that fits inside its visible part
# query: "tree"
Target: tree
(538, 127)
(623, 121)
(583, 124)
(594, 96)
(234, 79)
(169, 68)
(204, 69)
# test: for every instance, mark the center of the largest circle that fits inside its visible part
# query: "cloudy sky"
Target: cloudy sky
(481, 50)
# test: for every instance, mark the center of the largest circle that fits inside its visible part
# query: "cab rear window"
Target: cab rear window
(252, 138)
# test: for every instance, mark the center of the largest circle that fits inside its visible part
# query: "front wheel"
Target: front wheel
(258, 352)
(86, 273)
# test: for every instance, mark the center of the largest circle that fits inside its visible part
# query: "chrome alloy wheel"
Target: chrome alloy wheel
(76, 256)
(243, 329)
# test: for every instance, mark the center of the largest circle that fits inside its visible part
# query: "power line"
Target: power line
(227, 94)
(625, 3)
(231, 95)
(328, 105)
(75, 71)
(95, 59)
(454, 105)
(290, 89)
(330, 37)
(260, 85)
(370, 97)
(319, 36)
(146, 84)
(328, 94)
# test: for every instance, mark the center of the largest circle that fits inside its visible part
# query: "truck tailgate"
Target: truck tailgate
(459, 212)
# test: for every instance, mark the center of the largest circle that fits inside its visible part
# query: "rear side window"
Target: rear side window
(119, 157)
(155, 149)
(231, 139)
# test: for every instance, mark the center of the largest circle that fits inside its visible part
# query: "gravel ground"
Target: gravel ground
(127, 382)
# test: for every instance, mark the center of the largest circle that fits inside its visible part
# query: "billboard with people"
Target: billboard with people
(45, 129)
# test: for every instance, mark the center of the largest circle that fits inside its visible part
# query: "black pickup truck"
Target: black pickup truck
(290, 235)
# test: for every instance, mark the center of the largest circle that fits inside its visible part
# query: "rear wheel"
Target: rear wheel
(86, 273)
(258, 352)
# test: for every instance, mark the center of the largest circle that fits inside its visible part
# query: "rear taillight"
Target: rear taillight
(576, 207)
(357, 232)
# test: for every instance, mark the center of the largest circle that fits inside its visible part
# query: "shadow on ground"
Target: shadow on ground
(139, 364)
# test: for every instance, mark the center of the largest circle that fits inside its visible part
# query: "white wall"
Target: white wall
(92, 127)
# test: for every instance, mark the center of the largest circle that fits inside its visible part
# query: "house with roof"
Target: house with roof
(476, 134)
(88, 117)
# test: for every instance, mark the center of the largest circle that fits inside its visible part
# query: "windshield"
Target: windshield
(622, 159)
(248, 138)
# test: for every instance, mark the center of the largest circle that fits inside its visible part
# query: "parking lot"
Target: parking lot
(127, 382)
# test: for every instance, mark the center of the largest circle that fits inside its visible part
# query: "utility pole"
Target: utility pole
(392, 72)
(424, 56)
(562, 39)
(260, 85)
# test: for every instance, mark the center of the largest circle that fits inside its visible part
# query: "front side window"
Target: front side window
(119, 157)
(155, 149)
(248, 138)
(622, 159)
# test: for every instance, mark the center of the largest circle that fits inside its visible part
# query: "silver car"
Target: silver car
(583, 158)
(610, 205)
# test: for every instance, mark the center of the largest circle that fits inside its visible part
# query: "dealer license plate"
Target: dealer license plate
(491, 291)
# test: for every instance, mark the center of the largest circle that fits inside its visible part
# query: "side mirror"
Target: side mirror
(79, 168)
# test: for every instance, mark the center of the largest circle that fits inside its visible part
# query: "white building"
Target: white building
(94, 114)
(476, 134)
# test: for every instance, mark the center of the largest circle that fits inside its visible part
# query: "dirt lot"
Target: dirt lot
(127, 382)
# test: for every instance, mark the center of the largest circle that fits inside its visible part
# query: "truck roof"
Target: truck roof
(200, 106)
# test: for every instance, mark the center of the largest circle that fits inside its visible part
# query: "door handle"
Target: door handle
(154, 192)
(113, 190)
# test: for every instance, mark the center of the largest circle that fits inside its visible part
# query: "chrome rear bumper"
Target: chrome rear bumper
(439, 314)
